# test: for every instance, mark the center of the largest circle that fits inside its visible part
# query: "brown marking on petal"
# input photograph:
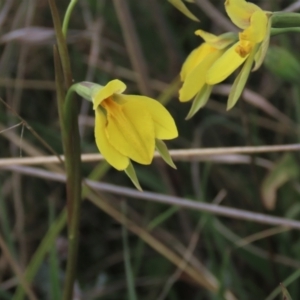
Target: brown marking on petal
(243, 48)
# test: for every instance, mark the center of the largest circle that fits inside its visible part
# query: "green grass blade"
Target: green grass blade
(293, 277)
(162, 217)
(129, 272)
(55, 292)
(40, 253)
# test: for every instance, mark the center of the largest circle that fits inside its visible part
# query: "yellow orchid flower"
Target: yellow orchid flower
(193, 72)
(252, 46)
(255, 23)
(127, 126)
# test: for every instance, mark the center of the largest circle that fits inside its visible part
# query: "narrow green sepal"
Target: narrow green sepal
(86, 89)
(200, 100)
(282, 19)
(164, 152)
(263, 48)
(182, 7)
(240, 81)
(130, 172)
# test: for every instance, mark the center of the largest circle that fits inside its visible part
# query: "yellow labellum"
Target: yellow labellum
(257, 30)
(225, 65)
(113, 87)
(127, 125)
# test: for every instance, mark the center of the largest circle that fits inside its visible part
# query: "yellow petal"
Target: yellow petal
(190, 63)
(113, 157)
(225, 65)
(164, 125)
(130, 129)
(113, 87)
(240, 12)
(196, 79)
(182, 7)
(219, 42)
(207, 36)
(257, 30)
(195, 57)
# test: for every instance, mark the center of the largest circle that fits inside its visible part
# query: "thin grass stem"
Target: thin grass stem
(67, 17)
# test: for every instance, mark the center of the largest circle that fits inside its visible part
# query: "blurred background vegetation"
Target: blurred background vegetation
(222, 258)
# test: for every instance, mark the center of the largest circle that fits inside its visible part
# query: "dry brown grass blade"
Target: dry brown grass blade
(5, 10)
(27, 84)
(220, 154)
(184, 262)
(96, 29)
(193, 273)
(133, 45)
(215, 15)
(7, 53)
(257, 101)
(15, 101)
(260, 235)
(231, 159)
(280, 259)
(293, 7)
(122, 72)
(137, 230)
(26, 146)
(166, 35)
(165, 199)
(17, 270)
(263, 122)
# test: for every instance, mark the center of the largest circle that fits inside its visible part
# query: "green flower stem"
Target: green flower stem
(285, 19)
(67, 17)
(276, 31)
(60, 92)
(68, 113)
